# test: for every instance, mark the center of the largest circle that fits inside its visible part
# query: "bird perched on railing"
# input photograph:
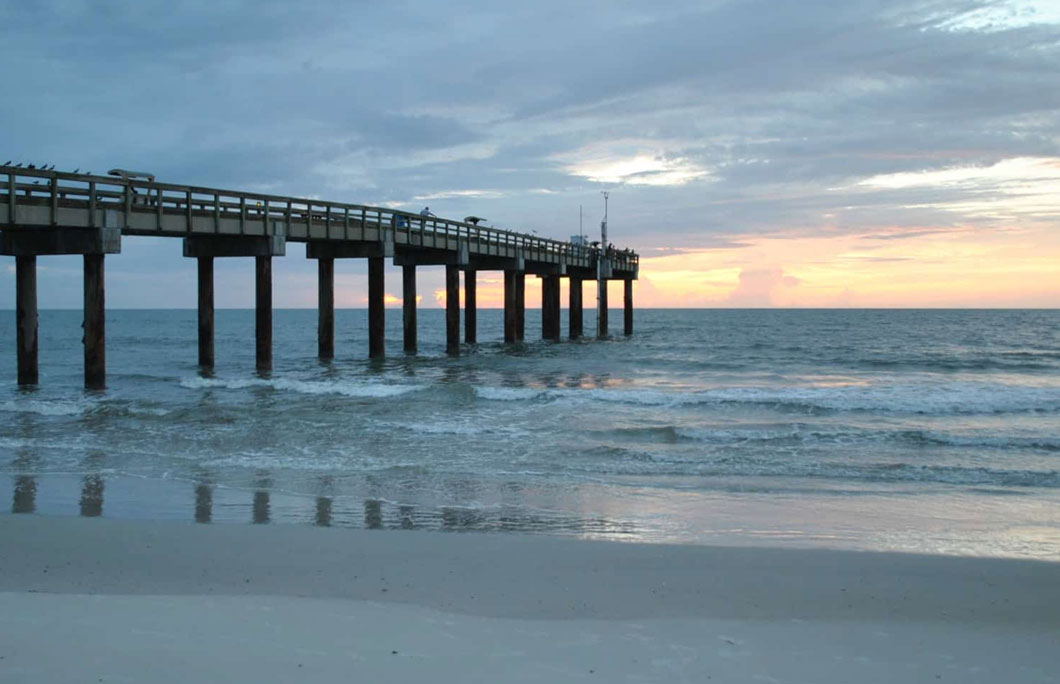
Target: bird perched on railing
(7, 163)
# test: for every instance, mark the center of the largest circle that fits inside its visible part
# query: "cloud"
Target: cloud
(763, 287)
(713, 121)
(1023, 186)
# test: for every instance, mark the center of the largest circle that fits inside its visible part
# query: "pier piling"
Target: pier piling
(326, 309)
(470, 307)
(263, 313)
(601, 308)
(408, 306)
(27, 319)
(550, 307)
(574, 313)
(520, 306)
(628, 299)
(206, 312)
(510, 313)
(95, 323)
(376, 310)
(452, 310)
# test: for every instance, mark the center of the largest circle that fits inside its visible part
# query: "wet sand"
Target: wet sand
(90, 600)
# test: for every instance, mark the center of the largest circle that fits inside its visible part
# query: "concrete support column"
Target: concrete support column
(520, 305)
(470, 307)
(452, 310)
(601, 306)
(575, 311)
(510, 313)
(263, 312)
(206, 312)
(26, 319)
(376, 310)
(408, 307)
(628, 306)
(95, 323)
(550, 307)
(326, 309)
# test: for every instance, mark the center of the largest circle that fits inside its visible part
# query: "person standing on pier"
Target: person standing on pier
(425, 213)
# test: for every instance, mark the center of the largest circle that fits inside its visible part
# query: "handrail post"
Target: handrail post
(12, 193)
(128, 202)
(91, 204)
(54, 186)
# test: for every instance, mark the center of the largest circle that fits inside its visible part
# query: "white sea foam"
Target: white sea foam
(943, 398)
(148, 411)
(47, 407)
(509, 393)
(349, 389)
(454, 427)
(946, 398)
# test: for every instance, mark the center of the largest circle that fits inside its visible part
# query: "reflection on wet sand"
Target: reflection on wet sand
(25, 498)
(378, 513)
(405, 515)
(461, 518)
(203, 503)
(92, 486)
(324, 501)
(261, 507)
(373, 514)
(92, 496)
(323, 517)
(25, 463)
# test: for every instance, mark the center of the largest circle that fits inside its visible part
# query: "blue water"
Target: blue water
(928, 431)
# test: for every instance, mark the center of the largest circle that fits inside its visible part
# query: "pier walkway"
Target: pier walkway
(45, 212)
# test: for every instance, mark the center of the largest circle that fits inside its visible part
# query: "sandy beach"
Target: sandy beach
(105, 600)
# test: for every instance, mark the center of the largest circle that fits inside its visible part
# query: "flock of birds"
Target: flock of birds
(42, 167)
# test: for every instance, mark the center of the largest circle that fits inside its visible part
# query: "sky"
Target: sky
(820, 153)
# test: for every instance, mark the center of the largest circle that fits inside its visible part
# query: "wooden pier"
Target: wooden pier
(47, 212)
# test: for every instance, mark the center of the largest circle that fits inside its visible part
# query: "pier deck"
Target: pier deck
(47, 212)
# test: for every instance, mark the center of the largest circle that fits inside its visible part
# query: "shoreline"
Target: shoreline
(119, 599)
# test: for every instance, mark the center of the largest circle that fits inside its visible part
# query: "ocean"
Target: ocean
(929, 431)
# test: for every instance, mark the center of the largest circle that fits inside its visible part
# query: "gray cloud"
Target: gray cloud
(784, 107)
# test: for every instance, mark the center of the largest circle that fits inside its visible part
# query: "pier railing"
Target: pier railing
(145, 207)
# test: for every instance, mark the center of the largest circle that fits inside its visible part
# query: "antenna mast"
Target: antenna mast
(603, 224)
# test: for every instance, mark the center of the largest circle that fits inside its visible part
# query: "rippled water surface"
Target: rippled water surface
(935, 431)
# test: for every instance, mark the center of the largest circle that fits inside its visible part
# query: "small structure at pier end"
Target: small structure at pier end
(45, 212)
